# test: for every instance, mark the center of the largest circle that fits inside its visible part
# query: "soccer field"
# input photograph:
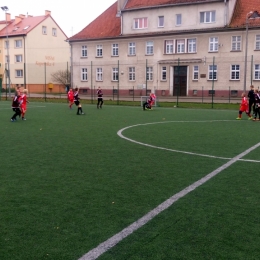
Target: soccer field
(123, 183)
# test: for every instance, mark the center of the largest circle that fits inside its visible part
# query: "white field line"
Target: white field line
(178, 151)
(111, 242)
(114, 240)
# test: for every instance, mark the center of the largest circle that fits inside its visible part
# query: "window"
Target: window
(54, 32)
(99, 50)
(115, 74)
(131, 48)
(257, 71)
(236, 43)
(180, 45)
(84, 74)
(149, 73)
(6, 59)
(131, 73)
(169, 46)
(208, 17)
(235, 72)
(44, 30)
(19, 73)
(164, 73)
(178, 19)
(149, 48)
(213, 44)
(192, 45)
(115, 49)
(212, 72)
(140, 23)
(99, 75)
(18, 44)
(257, 42)
(161, 21)
(84, 51)
(18, 58)
(195, 72)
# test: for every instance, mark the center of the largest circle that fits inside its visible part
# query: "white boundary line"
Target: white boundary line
(114, 240)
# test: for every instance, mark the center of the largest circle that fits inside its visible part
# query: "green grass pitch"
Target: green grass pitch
(69, 183)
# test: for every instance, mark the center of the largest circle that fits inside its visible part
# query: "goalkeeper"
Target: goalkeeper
(150, 102)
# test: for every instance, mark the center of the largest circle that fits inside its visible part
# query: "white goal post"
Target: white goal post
(145, 98)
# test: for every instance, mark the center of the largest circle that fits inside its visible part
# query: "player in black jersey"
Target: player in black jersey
(16, 102)
(100, 98)
(77, 102)
(251, 97)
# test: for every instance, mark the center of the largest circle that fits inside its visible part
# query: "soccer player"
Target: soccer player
(16, 102)
(251, 97)
(150, 102)
(70, 98)
(24, 101)
(77, 102)
(257, 105)
(244, 108)
(100, 98)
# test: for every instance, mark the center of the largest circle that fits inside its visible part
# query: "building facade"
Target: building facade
(36, 47)
(185, 48)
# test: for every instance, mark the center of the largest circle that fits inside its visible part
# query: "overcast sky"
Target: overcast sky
(71, 16)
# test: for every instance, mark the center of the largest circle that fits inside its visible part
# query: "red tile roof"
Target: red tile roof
(15, 29)
(242, 9)
(105, 25)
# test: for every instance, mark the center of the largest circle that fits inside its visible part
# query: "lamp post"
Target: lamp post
(247, 16)
(5, 9)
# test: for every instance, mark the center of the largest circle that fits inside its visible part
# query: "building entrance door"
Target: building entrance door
(180, 81)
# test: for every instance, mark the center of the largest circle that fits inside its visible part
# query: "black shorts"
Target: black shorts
(76, 103)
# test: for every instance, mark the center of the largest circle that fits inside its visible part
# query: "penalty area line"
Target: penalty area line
(111, 242)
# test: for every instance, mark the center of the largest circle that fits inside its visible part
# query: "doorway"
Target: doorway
(180, 81)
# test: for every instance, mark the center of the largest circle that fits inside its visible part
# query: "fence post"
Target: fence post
(45, 81)
(229, 94)
(202, 93)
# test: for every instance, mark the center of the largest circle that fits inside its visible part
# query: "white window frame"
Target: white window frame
(212, 76)
(131, 73)
(257, 72)
(169, 46)
(84, 74)
(131, 49)
(140, 23)
(257, 42)
(161, 21)
(18, 44)
(115, 74)
(84, 51)
(115, 49)
(44, 29)
(213, 44)
(19, 73)
(236, 43)
(178, 21)
(208, 17)
(149, 73)
(235, 72)
(164, 73)
(195, 72)
(54, 32)
(99, 51)
(18, 58)
(149, 48)
(7, 44)
(192, 45)
(180, 46)
(99, 74)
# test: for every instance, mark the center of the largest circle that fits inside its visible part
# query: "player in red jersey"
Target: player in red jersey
(24, 102)
(70, 98)
(150, 102)
(244, 107)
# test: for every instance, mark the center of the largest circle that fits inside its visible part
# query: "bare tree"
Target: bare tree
(61, 77)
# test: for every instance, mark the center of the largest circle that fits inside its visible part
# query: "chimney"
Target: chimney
(120, 5)
(22, 16)
(8, 17)
(47, 12)
(18, 19)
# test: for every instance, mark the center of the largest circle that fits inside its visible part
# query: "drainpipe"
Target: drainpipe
(225, 13)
